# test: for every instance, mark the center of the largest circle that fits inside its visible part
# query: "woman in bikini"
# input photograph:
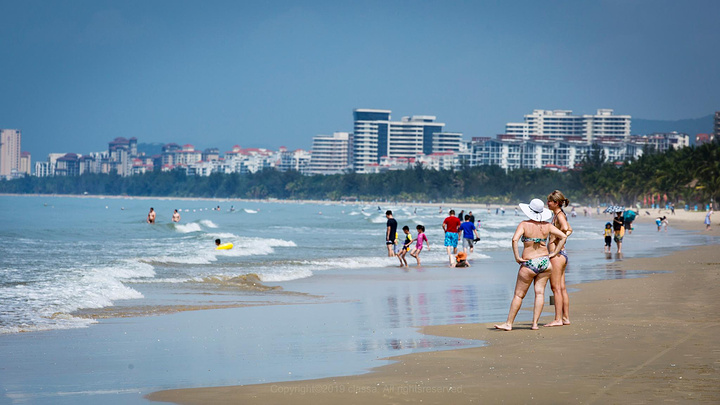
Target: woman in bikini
(535, 261)
(556, 201)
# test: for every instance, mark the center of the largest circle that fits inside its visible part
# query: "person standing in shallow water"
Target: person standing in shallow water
(556, 201)
(390, 233)
(451, 227)
(535, 261)
(151, 216)
(176, 216)
(619, 230)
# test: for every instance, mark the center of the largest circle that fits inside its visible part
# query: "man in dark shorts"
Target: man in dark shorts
(390, 233)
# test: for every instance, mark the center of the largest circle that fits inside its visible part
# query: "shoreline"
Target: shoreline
(643, 339)
(686, 220)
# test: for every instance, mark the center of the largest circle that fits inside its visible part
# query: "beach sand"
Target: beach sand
(642, 340)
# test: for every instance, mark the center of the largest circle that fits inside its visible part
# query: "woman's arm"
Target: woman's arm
(564, 224)
(516, 237)
(561, 238)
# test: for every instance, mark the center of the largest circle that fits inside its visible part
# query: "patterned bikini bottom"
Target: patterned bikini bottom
(538, 264)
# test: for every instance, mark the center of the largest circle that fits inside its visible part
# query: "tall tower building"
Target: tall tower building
(376, 136)
(370, 135)
(716, 130)
(9, 153)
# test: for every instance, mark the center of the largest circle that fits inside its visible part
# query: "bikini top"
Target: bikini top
(533, 240)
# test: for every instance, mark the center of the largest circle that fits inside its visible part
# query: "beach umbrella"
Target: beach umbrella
(613, 209)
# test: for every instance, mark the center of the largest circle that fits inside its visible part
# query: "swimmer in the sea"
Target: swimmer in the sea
(151, 216)
(176, 216)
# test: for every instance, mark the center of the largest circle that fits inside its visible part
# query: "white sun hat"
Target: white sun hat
(536, 210)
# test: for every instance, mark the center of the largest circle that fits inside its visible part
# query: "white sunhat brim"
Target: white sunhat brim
(536, 216)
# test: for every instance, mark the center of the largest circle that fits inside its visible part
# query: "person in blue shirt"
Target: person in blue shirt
(470, 234)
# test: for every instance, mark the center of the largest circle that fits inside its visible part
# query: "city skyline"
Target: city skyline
(278, 74)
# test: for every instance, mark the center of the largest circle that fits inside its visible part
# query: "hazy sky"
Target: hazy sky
(76, 74)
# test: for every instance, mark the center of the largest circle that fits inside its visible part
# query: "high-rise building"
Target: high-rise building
(716, 130)
(446, 142)
(370, 134)
(9, 153)
(410, 137)
(376, 137)
(25, 163)
(331, 153)
(563, 125)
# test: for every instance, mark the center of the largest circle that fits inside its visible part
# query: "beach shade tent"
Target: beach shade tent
(613, 209)
(630, 215)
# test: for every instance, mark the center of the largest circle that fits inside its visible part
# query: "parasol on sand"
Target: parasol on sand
(613, 209)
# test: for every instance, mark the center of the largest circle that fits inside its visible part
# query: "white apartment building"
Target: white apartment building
(605, 125)
(563, 125)
(297, 160)
(447, 142)
(331, 154)
(516, 153)
(188, 155)
(43, 169)
(249, 160)
(664, 141)
(538, 154)
(10, 153)
(206, 168)
(410, 137)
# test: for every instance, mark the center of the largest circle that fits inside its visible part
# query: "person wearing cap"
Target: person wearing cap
(535, 260)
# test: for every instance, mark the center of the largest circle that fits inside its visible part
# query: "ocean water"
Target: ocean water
(97, 305)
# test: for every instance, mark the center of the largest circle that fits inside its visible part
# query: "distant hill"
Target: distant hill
(692, 126)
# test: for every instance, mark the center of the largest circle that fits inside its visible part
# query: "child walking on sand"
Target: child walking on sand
(419, 244)
(608, 237)
(406, 246)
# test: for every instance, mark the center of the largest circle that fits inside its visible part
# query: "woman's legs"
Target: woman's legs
(557, 284)
(524, 279)
(540, 283)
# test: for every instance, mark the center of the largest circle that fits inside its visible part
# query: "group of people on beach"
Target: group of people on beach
(400, 250)
(453, 226)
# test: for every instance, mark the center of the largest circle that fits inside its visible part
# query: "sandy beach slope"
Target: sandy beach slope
(643, 340)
